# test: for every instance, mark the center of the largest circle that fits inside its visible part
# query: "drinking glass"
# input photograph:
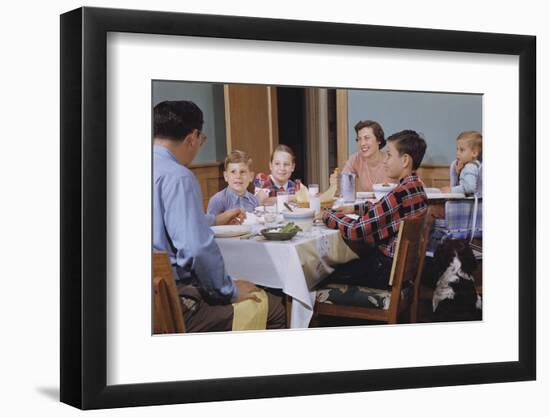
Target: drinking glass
(313, 189)
(315, 203)
(282, 198)
(270, 219)
(347, 187)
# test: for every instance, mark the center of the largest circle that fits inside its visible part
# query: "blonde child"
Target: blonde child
(465, 171)
(238, 175)
(282, 165)
(463, 218)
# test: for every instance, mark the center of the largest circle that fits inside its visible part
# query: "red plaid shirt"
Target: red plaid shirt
(265, 181)
(379, 222)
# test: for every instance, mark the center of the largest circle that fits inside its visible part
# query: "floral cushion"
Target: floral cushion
(356, 295)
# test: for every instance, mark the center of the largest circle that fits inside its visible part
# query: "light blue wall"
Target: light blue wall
(438, 117)
(209, 97)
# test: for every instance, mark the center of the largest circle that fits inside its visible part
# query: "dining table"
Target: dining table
(436, 199)
(298, 265)
(295, 266)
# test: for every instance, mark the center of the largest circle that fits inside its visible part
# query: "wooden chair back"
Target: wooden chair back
(408, 264)
(167, 313)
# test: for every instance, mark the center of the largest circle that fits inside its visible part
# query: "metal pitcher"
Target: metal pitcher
(347, 187)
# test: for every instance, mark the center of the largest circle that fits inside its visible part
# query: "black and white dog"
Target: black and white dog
(455, 297)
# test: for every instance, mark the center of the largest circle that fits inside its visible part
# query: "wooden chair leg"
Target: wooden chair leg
(288, 308)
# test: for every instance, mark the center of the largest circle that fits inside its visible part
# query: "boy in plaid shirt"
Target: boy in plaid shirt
(378, 223)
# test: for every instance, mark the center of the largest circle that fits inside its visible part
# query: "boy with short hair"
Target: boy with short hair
(465, 171)
(238, 175)
(463, 218)
(378, 223)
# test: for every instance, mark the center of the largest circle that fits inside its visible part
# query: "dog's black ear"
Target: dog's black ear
(443, 257)
(466, 256)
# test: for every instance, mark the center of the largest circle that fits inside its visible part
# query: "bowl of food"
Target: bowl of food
(302, 217)
(385, 187)
(286, 232)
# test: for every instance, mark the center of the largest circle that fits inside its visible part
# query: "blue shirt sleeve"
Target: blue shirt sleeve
(192, 238)
(216, 204)
(467, 182)
(210, 219)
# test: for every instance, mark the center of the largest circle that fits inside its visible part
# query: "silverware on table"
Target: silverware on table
(249, 235)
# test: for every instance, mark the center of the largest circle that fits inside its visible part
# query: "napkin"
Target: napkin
(250, 314)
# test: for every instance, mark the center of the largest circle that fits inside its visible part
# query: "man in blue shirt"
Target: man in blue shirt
(181, 228)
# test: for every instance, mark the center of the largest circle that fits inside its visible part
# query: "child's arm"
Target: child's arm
(373, 224)
(454, 172)
(215, 205)
(467, 181)
(261, 194)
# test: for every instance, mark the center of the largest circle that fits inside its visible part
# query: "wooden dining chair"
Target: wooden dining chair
(384, 305)
(167, 314)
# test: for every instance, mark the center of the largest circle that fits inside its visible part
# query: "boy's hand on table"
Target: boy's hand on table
(445, 189)
(262, 195)
(231, 216)
(319, 216)
(246, 291)
(345, 209)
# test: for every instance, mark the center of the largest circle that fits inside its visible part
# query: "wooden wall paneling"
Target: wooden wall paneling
(210, 177)
(436, 176)
(342, 127)
(273, 118)
(251, 122)
(317, 136)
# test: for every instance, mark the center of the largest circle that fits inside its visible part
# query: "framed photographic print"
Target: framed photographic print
(117, 65)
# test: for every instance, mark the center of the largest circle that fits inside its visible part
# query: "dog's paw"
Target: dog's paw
(478, 302)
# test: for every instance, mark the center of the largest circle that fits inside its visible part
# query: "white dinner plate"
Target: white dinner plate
(230, 230)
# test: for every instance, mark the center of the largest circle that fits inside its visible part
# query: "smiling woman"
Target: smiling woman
(368, 162)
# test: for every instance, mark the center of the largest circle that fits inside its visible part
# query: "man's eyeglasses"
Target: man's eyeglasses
(202, 137)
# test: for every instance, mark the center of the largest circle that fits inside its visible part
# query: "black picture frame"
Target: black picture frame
(84, 207)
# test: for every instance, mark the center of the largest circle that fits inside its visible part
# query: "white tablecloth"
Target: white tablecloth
(295, 266)
(431, 193)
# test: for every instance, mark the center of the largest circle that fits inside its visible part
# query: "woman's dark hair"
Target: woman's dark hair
(174, 120)
(409, 142)
(376, 129)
